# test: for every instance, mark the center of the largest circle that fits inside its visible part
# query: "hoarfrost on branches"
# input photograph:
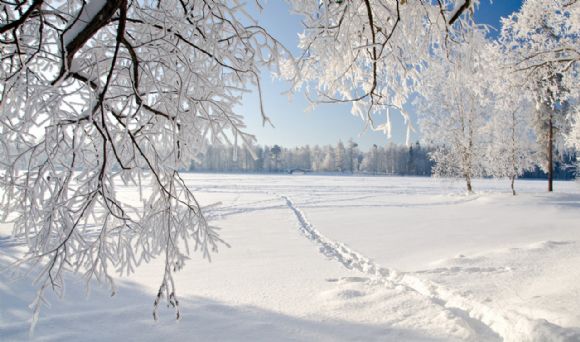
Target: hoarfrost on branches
(454, 121)
(541, 42)
(511, 150)
(96, 94)
(99, 94)
(372, 53)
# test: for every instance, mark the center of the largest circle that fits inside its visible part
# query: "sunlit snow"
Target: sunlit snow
(344, 258)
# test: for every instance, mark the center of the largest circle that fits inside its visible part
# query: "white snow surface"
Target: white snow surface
(326, 258)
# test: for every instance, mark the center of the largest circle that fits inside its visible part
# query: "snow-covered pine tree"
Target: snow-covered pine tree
(329, 159)
(267, 159)
(352, 156)
(276, 152)
(340, 158)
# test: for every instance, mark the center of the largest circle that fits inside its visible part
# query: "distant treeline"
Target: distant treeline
(391, 159)
(564, 168)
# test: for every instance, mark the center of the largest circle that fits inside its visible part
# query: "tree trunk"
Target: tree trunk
(469, 187)
(550, 155)
(514, 144)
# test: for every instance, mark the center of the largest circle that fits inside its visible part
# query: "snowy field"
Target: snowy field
(323, 258)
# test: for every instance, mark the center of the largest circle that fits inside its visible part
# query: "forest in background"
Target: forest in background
(391, 159)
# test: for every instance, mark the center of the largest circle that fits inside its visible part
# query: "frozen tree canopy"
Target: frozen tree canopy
(94, 93)
(372, 53)
(510, 150)
(541, 44)
(542, 40)
(455, 122)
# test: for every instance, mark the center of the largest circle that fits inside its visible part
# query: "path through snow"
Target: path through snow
(483, 319)
(476, 268)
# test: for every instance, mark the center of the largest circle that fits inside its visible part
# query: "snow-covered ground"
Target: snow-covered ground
(344, 258)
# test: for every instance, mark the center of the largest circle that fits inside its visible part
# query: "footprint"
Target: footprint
(349, 294)
(354, 279)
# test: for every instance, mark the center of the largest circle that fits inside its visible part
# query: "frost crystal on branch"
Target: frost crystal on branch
(541, 42)
(455, 121)
(99, 94)
(372, 53)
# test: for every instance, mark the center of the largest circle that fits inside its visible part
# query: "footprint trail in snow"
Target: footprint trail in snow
(486, 321)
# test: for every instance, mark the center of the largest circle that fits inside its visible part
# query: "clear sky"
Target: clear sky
(327, 124)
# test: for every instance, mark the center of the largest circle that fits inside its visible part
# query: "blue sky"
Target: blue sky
(327, 124)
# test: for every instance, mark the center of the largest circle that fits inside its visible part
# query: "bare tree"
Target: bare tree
(94, 93)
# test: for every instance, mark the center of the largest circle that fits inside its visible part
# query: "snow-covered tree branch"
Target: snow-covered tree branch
(96, 94)
(371, 53)
(455, 121)
(511, 150)
(541, 42)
